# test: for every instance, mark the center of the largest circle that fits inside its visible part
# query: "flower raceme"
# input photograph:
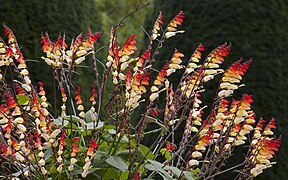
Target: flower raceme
(100, 140)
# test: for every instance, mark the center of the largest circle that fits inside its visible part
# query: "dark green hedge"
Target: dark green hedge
(28, 19)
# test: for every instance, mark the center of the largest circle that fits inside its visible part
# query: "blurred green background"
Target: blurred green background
(257, 29)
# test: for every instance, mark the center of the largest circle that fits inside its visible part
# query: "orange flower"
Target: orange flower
(156, 27)
(74, 147)
(195, 58)
(62, 138)
(93, 145)
(160, 77)
(47, 45)
(10, 100)
(141, 61)
(10, 34)
(60, 43)
(177, 20)
(129, 46)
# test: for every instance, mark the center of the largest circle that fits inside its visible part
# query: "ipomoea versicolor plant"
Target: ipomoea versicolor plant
(100, 141)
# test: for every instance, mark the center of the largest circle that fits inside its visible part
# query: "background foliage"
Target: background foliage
(29, 19)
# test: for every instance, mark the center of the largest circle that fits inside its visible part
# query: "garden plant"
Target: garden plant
(97, 138)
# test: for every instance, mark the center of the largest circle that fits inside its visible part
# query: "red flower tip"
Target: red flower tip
(201, 47)
(136, 176)
(146, 54)
(160, 18)
(75, 139)
(154, 112)
(93, 144)
(19, 90)
(170, 146)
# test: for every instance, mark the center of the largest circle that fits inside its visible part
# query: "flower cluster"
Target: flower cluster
(263, 147)
(172, 27)
(38, 140)
(57, 53)
(156, 27)
(90, 154)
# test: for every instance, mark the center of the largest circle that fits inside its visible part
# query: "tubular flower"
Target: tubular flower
(158, 82)
(44, 114)
(15, 119)
(13, 51)
(156, 27)
(214, 59)
(80, 107)
(135, 88)
(261, 154)
(129, 47)
(42, 162)
(2, 52)
(61, 150)
(168, 69)
(92, 99)
(238, 121)
(64, 99)
(119, 59)
(195, 58)
(75, 149)
(93, 145)
(53, 55)
(175, 62)
(57, 52)
(90, 154)
(113, 56)
(200, 147)
(191, 84)
(142, 60)
(195, 118)
(232, 77)
(172, 27)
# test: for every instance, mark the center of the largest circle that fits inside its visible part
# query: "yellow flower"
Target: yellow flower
(41, 162)
(153, 96)
(193, 162)
(196, 154)
(258, 169)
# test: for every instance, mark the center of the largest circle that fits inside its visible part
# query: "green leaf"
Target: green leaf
(72, 118)
(118, 163)
(58, 121)
(48, 154)
(126, 154)
(188, 175)
(162, 151)
(107, 127)
(144, 150)
(22, 99)
(124, 175)
(74, 127)
(173, 169)
(90, 126)
(158, 167)
(112, 131)
(167, 155)
(110, 174)
(154, 120)
(91, 117)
